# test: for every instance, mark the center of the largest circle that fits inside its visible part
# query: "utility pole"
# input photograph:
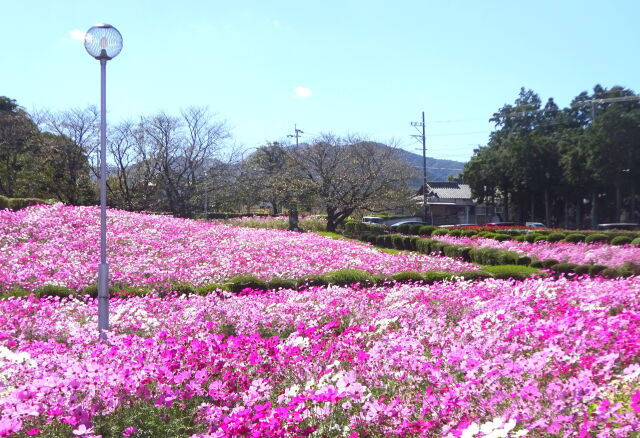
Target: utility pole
(424, 165)
(296, 133)
(206, 196)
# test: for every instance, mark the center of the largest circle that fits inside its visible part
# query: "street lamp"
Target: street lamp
(103, 42)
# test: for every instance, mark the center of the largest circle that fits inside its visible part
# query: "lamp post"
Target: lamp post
(104, 43)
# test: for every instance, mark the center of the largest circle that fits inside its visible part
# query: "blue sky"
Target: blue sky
(344, 67)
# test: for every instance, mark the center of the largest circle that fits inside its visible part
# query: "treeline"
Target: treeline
(572, 167)
(184, 165)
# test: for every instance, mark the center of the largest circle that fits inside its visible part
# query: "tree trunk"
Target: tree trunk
(532, 215)
(618, 202)
(632, 205)
(331, 219)
(579, 213)
(547, 208)
(506, 206)
(293, 218)
(566, 213)
(594, 210)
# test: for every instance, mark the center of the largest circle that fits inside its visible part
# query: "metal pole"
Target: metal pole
(424, 173)
(103, 269)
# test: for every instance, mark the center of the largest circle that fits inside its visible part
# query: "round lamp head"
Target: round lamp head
(103, 41)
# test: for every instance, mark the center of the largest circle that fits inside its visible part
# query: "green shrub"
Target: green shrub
(282, 283)
(610, 273)
(556, 236)
(474, 275)
(209, 288)
(582, 269)
(353, 227)
(345, 277)
(182, 288)
(15, 293)
(629, 268)
(486, 256)
(519, 238)
(621, 240)
(531, 237)
(523, 260)
(574, 237)
(431, 277)
(240, 282)
(397, 241)
(548, 263)
(410, 242)
(313, 280)
(540, 238)
(536, 264)
(596, 269)
(52, 290)
(469, 233)
(414, 229)
(487, 234)
(597, 237)
(564, 267)
(516, 272)
(440, 232)
(405, 276)
(424, 245)
(455, 233)
(426, 230)
(636, 241)
(16, 204)
(4, 202)
(404, 228)
(501, 237)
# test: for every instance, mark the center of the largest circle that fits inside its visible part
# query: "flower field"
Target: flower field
(538, 358)
(580, 252)
(60, 245)
(545, 357)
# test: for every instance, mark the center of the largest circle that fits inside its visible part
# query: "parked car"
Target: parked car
(412, 222)
(535, 225)
(372, 220)
(619, 226)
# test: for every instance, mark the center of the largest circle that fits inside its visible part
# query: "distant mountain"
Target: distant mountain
(437, 170)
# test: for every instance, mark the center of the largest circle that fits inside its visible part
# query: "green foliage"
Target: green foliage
(440, 232)
(536, 264)
(524, 260)
(539, 238)
(455, 233)
(426, 230)
(469, 233)
(565, 267)
(209, 288)
(282, 283)
(313, 280)
(596, 269)
(636, 241)
(52, 290)
(15, 293)
(183, 288)
(621, 240)
(574, 237)
(431, 277)
(406, 276)
(611, 273)
(582, 269)
(556, 236)
(548, 263)
(597, 237)
(531, 237)
(269, 332)
(501, 237)
(516, 272)
(475, 275)
(397, 241)
(414, 229)
(520, 238)
(345, 277)
(241, 282)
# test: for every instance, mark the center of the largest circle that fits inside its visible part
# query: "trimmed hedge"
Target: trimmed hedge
(597, 237)
(516, 272)
(575, 237)
(621, 240)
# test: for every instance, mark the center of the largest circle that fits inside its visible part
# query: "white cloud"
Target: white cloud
(77, 35)
(303, 92)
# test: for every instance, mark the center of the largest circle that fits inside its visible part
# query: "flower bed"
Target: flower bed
(60, 245)
(583, 253)
(307, 223)
(538, 358)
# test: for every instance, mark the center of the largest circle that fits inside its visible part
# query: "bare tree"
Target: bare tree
(351, 174)
(182, 149)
